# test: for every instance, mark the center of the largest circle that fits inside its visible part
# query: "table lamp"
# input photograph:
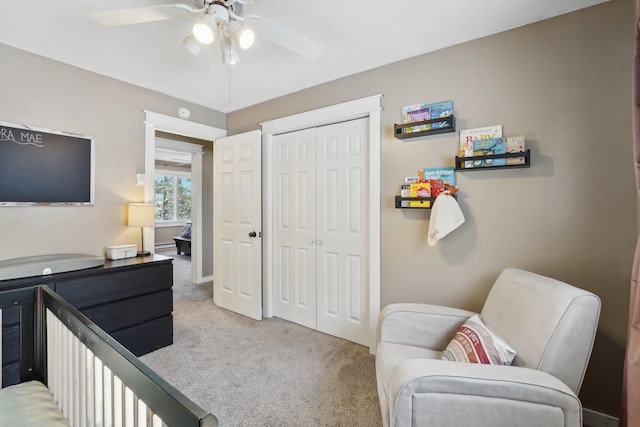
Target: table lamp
(141, 215)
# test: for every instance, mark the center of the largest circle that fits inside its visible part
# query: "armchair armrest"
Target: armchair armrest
(439, 392)
(423, 325)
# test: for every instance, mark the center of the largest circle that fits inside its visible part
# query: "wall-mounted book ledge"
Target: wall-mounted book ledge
(410, 202)
(444, 125)
(496, 161)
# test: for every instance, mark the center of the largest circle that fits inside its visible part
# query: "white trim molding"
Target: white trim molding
(158, 122)
(365, 107)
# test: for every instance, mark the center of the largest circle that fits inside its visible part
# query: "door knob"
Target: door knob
(252, 234)
(319, 242)
(310, 241)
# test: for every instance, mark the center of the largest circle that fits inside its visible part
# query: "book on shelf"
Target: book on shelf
(415, 113)
(440, 110)
(404, 192)
(421, 112)
(472, 141)
(439, 179)
(487, 147)
(515, 144)
(422, 190)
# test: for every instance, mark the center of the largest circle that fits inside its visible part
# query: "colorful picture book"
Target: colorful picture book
(487, 147)
(421, 112)
(429, 183)
(438, 110)
(422, 190)
(416, 113)
(439, 178)
(482, 141)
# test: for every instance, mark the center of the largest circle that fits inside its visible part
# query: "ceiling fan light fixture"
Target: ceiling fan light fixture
(203, 33)
(222, 19)
(218, 14)
(192, 45)
(229, 53)
(244, 36)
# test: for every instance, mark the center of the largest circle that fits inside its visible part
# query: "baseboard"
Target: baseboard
(206, 279)
(163, 246)
(597, 419)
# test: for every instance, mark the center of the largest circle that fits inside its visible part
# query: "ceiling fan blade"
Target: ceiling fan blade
(112, 18)
(284, 37)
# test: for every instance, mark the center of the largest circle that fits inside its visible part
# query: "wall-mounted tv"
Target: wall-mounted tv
(45, 167)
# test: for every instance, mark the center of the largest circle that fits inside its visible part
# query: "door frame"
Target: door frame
(159, 122)
(369, 107)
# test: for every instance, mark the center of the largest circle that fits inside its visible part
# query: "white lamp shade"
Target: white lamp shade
(141, 215)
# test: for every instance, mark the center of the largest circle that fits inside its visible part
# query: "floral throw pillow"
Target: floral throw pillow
(475, 343)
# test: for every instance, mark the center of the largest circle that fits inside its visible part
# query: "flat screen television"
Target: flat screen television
(45, 167)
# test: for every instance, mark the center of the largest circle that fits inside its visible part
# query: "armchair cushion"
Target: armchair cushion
(475, 343)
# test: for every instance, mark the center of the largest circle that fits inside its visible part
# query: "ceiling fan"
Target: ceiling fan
(223, 19)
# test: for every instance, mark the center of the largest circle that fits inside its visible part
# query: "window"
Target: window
(173, 197)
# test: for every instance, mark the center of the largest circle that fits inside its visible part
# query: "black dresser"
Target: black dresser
(131, 299)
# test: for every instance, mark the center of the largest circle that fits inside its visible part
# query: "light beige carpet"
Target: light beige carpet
(263, 373)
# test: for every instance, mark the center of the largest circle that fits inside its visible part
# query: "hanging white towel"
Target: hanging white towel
(446, 216)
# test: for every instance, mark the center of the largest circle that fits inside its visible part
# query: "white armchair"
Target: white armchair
(551, 325)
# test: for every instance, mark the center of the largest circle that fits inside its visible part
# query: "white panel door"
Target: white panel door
(342, 197)
(237, 206)
(294, 228)
(320, 199)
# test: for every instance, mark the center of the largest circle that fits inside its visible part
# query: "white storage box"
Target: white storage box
(121, 251)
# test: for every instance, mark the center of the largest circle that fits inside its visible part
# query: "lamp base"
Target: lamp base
(147, 253)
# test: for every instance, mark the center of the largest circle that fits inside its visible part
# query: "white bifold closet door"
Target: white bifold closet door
(320, 241)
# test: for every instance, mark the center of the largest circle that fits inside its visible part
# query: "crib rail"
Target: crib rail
(93, 379)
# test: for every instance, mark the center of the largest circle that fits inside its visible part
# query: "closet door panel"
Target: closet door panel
(342, 233)
(294, 242)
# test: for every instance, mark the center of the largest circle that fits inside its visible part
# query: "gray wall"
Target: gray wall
(565, 83)
(165, 235)
(39, 92)
(207, 210)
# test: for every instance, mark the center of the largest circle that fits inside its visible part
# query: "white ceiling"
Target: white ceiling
(358, 35)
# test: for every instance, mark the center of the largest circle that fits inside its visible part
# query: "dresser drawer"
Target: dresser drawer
(93, 290)
(121, 314)
(146, 337)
